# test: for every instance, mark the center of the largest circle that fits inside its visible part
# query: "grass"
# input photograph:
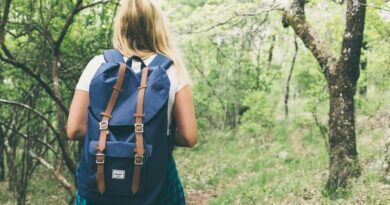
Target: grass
(237, 169)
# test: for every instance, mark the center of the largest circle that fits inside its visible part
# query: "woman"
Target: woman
(140, 30)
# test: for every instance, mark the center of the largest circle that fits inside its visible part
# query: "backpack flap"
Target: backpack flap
(102, 84)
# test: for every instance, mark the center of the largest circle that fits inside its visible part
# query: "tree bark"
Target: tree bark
(342, 89)
(2, 167)
(341, 75)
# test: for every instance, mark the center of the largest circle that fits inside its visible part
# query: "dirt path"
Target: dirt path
(199, 197)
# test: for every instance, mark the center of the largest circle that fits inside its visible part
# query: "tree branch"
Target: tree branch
(205, 78)
(323, 130)
(353, 36)
(78, 7)
(4, 19)
(40, 115)
(295, 17)
(273, 7)
(56, 170)
(11, 60)
(68, 22)
(93, 4)
(46, 144)
(386, 9)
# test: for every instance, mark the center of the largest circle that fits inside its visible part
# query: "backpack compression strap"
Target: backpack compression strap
(113, 56)
(165, 63)
(139, 129)
(103, 126)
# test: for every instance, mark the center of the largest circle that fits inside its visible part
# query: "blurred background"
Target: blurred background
(261, 98)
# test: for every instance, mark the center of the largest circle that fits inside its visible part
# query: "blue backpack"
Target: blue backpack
(126, 148)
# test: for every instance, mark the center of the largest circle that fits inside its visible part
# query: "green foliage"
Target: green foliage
(238, 93)
(259, 119)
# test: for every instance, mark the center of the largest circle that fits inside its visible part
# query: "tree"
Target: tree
(41, 51)
(341, 75)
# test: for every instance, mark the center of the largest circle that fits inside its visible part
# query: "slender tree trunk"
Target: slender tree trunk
(12, 170)
(61, 115)
(23, 179)
(363, 69)
(287, 90)
(386, 170)
(2, 168)
(10, 145)
(270, 53)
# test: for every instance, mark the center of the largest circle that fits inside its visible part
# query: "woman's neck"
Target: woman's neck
(141, 54)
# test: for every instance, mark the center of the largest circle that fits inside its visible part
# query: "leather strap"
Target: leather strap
(139, 129)
(103, 126)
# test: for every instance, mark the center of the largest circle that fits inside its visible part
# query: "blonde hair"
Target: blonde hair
(140, 29)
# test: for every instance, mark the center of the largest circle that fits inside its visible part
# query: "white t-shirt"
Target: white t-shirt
(177, 82)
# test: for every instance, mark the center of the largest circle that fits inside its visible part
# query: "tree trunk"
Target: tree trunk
(363, 88)
(386, 167)
(61, 115)
(342, 140)
(12, 169)
(342, 75)
(2, 147)
(363, 69)
(342, 89)
(287, 90)
(2, 167)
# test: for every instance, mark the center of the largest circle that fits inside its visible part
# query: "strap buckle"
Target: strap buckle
(140, 126)
(103, 125)
(99, 155)
(138, 160)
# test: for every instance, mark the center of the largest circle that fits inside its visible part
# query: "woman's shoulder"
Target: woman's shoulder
(97, 59)
(94, 63)
(177, 78)
(88, 72)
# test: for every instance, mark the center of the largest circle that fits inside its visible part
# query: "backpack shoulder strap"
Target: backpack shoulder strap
(162, 61)
(103, 126)
(113, 56)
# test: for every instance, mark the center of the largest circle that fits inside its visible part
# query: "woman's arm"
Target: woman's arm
(77, 119)
(184, 114)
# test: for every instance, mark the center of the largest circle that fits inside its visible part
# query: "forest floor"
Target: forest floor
(286, 166)
(289, 167)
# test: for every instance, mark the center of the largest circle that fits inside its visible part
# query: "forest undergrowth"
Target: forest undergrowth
(287, 165)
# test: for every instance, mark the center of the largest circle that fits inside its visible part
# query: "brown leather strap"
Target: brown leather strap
(103, 126)
(139, 129)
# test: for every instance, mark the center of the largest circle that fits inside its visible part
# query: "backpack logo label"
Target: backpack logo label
(118, 174)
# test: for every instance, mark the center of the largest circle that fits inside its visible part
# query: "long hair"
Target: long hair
(140, 28)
